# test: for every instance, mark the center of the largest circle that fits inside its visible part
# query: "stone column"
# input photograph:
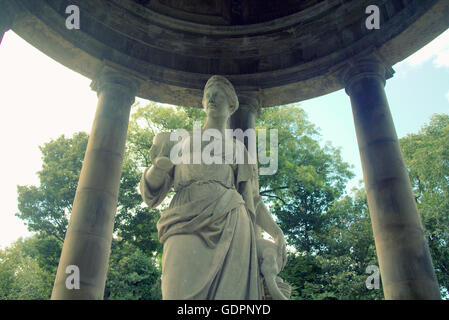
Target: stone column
(246, 115)
(405, 263)
(88, 239)
(245, 118)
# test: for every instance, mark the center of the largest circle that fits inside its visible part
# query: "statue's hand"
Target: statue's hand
(279, 239)
(163, 163)
(158, 172)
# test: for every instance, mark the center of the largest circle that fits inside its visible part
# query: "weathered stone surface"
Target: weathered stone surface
(402, 250)
(211, 231)
(89, 234)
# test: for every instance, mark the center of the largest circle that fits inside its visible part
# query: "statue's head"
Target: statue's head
(219, 98)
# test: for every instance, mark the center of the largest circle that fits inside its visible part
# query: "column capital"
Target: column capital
(396, 224)
(365, 68)
(115, 82)
(249, 102)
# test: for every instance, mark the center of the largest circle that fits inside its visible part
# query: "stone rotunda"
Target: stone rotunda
(274, 52)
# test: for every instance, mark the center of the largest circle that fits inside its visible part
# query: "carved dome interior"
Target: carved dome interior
(282, 51)
(227, 12)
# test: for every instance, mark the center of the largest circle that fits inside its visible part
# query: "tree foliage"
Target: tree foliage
(338, 271)
(134, 270)
(329, 232)
(426, 155)
(46, 208)
(132, 274)
(309, 179)
(23, 277)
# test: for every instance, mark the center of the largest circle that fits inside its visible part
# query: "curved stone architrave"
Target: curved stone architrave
(8, 14)
(289, 59)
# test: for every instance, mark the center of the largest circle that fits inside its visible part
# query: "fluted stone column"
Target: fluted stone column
(404, 260)
(88, 239)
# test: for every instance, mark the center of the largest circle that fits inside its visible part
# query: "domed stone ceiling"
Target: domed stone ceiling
(227, 12)
(281, 51)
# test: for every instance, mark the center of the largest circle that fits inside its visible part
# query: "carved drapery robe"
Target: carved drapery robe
(208, 232)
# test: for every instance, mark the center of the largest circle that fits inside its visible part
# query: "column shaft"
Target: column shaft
(243, 119)
(88, 239)
(405, 263)
(245, 116)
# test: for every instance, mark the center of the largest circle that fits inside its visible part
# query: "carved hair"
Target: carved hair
(228, 89)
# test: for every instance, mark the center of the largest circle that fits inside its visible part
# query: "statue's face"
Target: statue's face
(215, 102)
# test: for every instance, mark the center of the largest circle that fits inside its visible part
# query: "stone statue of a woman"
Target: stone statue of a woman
(213, 224)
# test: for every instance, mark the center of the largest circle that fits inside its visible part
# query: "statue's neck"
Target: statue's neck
(216, 123)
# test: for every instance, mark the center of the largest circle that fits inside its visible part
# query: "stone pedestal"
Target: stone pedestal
(405, 263)
(88, 239)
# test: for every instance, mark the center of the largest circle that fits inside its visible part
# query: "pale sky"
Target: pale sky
(40, 100)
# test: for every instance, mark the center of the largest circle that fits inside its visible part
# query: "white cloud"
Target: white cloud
(447, 96)
(437, 51)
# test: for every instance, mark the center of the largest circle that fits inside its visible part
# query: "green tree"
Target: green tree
(132, 274)
(426, 155)
(45, 250)
(46, 209)
(21, 276)
(330, 233)
(337, 271)
(309, 179)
